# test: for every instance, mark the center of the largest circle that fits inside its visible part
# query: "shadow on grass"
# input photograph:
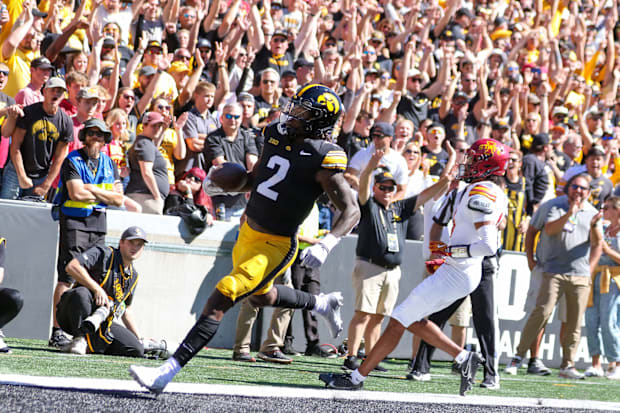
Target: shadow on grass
(32, 348)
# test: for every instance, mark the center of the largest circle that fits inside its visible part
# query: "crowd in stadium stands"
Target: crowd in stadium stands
(185, 85)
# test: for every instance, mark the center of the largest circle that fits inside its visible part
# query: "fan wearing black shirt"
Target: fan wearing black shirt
(38, 145)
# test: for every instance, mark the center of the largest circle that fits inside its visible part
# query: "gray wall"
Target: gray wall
(178, 273)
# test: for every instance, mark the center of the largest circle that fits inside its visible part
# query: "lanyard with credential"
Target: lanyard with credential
(392, 237)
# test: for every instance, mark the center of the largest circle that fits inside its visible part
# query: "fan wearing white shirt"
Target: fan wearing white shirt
(381, 134)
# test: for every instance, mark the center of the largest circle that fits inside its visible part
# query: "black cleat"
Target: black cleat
(468, 370)
(351, 363)
(339, 381)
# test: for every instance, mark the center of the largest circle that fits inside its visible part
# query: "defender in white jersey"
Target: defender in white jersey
(479, 209)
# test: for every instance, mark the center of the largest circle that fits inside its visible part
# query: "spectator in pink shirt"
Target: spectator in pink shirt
(40, 71)
(87, 102)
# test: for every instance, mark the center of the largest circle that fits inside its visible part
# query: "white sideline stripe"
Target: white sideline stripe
(296, 392)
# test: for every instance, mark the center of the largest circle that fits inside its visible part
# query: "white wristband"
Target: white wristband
(459, 251)
(329, 242)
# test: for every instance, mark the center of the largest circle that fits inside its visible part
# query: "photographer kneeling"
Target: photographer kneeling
(105, 282)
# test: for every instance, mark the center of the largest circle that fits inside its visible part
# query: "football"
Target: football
(231, 177)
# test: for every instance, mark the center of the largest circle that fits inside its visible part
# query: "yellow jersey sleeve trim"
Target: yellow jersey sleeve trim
(335, 160)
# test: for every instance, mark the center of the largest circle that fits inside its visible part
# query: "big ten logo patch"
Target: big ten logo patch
(44, 131)
(330, 102)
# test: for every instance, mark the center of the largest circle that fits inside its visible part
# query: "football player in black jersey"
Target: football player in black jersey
(298, 163)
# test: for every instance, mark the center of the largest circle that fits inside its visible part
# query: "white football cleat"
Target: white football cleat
(150, 377)
(77, 346)
(331, 311)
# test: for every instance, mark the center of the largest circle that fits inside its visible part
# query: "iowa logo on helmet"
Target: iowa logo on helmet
(330, 102)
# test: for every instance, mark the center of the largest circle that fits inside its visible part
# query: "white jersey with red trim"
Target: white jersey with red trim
(479, 202)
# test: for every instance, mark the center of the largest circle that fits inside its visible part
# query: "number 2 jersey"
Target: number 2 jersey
(285, 185)
(478, 202)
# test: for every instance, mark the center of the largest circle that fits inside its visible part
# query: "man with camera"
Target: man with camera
(89, 183)
(105, 284)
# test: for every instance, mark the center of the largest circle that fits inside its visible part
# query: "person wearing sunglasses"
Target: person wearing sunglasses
(570, 238)
(230, 143)
(596, 160)
(172, 143)
(275, 54)
(150, 55)
(381, 238)
(268, 97)
(89, 184)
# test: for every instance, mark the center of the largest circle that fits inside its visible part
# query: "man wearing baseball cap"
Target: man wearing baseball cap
(275, 54)
(38, 145)
(87, 101)
(106, 280)
(382, 230)
(89, 182)
(381, 135)
(40, 71)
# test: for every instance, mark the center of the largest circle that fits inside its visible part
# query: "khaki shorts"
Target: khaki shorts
(376, 288)
(461, 316)
(532, 295)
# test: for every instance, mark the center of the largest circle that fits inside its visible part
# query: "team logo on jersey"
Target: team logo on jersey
(44, 131)
(274, 141)
(329, 101)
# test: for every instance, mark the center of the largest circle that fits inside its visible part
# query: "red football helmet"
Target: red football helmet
(485, 157)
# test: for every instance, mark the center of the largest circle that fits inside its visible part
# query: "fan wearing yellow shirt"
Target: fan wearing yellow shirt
(151, 53)
(172, 145)
(19, 50)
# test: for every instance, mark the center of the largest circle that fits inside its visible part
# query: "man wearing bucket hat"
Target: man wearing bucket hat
(89, 182)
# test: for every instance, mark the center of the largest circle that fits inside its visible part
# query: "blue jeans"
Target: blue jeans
(10, 184)
(602, 321)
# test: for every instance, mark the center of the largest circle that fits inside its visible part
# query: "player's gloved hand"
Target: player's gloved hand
(314, 256)
(211, 188)
(433, 265)
(439, 248)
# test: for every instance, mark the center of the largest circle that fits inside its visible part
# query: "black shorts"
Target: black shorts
(73, 242)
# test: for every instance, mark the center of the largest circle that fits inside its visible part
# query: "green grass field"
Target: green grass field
(34, 357)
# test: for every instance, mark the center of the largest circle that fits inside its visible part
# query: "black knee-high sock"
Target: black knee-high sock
(290, 298)
(198, 337)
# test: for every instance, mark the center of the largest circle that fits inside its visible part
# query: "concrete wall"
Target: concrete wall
(178, 274)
